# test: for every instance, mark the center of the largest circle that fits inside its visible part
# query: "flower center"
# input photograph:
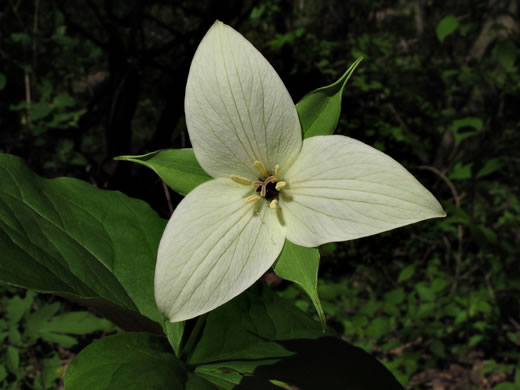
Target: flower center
(268, 188)
(268, 185)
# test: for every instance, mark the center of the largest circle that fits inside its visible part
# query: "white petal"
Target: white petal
(340, 189)
(213, 248)
(237, 108)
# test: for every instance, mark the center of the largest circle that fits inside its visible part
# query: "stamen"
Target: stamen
(252, 198)
(240, 180)
(263, 191)
(277, 171)
(260, 168)
(270, 179)
(280, 185)
(273, 204)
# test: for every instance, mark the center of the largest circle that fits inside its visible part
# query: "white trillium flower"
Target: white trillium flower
(268, 184)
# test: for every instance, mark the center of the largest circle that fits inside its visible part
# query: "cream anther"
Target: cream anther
(252, 198)
(261, 169)
(280, 185)
(240, 180)
(273, 204)
(277, 171)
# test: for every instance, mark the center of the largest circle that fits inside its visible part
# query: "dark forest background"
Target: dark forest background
(439, 90)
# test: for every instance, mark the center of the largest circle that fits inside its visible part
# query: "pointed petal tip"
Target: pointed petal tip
(351, 190)
(237, 107)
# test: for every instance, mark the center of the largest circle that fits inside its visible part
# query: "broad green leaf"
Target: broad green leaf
(195, 382)
(259, 339)
(126, 361)
(248, 326)
(446, 27)
(66, 237)
(311, 364)
(3, 81)
(177, 167)
(300, 265)
(320, 109)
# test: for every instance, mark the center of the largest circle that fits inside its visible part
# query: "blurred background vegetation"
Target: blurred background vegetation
(439, 90)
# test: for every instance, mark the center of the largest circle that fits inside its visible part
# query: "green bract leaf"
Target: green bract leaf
(177, 167)
(320, 109)
(446, 26)
(66, 237)
(174, 331)
(126, 361)
(300, 265)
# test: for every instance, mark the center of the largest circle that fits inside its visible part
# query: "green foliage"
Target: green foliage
(438, 90)
(254, 340)
(258, 335)
(28, 326)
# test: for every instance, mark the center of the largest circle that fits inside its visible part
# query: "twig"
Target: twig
(27, 80)
(460, 229)
(445, 179)
(34, 41)
(168, 199)
(14, 8)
